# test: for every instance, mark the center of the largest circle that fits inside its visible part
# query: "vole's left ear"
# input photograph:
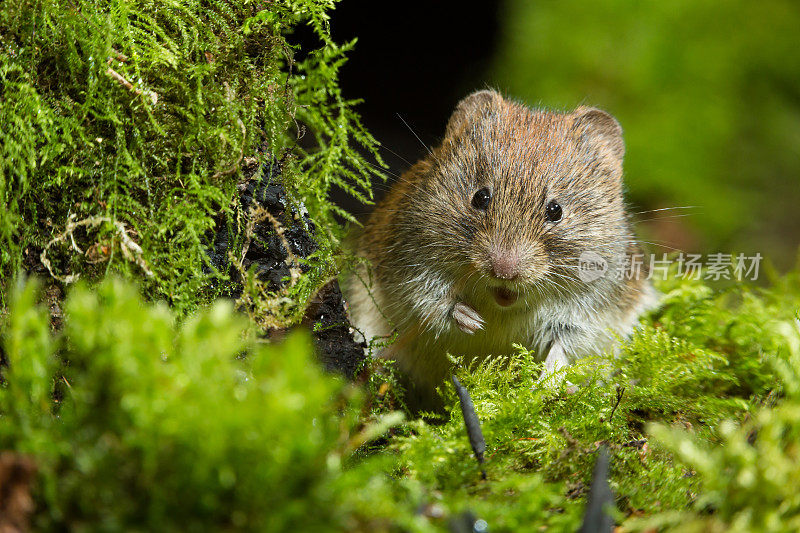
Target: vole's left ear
(470, 108)
(600, 130)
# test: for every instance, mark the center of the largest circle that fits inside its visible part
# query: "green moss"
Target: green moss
(161, 427)
(143, 416)
(127, 121)
(703, 359)
(139, 421)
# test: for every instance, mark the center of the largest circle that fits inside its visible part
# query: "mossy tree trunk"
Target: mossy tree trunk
(125, 126)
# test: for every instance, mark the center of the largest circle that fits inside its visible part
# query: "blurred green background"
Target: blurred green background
(708, 94)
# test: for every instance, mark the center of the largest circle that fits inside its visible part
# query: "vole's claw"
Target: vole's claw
(467, 319)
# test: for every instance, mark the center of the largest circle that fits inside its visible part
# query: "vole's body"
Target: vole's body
(454, 272)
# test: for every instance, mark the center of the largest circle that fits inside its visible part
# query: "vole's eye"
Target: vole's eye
(481, 199)
(553, 211)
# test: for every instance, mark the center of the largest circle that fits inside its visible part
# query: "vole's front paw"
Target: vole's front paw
(467, 319)
(556, 360)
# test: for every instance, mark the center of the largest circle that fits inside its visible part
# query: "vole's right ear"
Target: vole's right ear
(600, 130)
(469, 107)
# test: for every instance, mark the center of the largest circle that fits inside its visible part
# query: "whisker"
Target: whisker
(665, 209)
(415, 134)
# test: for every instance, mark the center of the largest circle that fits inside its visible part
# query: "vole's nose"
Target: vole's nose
(504, 263)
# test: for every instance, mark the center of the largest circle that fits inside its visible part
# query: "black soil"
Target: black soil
(326, 315)
(333, 336)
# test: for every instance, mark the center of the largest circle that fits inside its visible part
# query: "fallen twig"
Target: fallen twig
(472, 423)
(130, 249)
(596, 518)
(128, 85)
(620, 392)
(638, 444)
(119, 56)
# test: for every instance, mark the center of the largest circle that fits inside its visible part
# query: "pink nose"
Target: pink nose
(505, 264)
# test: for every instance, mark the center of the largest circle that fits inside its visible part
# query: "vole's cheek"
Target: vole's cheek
(534, 263)
(467, 275)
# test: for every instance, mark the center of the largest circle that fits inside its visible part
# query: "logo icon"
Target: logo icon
(591, 266)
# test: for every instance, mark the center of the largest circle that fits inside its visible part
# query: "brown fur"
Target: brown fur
(430, 248)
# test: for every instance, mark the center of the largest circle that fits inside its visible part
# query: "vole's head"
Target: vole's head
(514, 196)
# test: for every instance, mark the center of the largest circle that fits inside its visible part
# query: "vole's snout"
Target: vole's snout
(505, 263)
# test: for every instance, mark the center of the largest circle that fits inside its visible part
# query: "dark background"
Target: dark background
(708, 95)
(415, 59)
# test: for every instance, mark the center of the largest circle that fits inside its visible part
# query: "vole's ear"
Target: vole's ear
(471, 106)
(600, 130)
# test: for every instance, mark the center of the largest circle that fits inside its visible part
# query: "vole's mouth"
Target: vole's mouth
(504, 297)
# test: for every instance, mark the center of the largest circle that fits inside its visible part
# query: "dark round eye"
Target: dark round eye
(553, 211)
(481, 199)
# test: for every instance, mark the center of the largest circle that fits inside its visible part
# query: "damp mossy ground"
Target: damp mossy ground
(137, 420)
